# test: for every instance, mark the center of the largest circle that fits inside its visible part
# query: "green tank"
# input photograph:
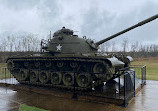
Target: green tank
(66, 58)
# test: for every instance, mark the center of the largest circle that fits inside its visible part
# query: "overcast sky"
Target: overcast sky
(97, 19)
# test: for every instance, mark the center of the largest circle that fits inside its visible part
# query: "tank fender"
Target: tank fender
(114, 62)
(7, 60)
(129, 58)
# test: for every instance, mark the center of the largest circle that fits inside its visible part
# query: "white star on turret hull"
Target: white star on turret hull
(59, 47)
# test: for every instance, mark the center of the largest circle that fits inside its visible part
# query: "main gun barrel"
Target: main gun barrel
(128, 29)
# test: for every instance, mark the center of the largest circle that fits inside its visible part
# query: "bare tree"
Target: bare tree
(113, 47)
(4, 45)
(125, 45)
(134, 46)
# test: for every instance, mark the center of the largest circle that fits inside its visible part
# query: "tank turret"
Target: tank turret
(64, 42)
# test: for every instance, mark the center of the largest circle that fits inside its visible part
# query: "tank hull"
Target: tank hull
(61, 71)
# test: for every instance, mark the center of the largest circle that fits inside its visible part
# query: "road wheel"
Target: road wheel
(84, 80)
(22, 75)
(44, 77)
(68, 79)
(34, 76)
(56, 77)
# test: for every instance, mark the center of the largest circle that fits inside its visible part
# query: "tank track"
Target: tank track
(57, 65)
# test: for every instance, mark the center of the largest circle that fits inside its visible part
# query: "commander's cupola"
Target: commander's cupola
(62, 32)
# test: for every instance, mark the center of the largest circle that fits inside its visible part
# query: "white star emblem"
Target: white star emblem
(59, 47)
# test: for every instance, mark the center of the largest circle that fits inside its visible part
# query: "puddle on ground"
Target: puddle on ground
(10, 99)
(6, 90)
(9, 81)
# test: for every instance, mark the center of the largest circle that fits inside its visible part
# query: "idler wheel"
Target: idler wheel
(100, 69)
(34, 76)
(10, 65)
(60, 64)
(73, 64)
(44, 77)
(68, 79)
(84, 80)
(56, 77)
(15, 73)
(22, 75)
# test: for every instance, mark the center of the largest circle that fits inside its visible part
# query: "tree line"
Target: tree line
(20, 43)
(26, 43)
(134, 49)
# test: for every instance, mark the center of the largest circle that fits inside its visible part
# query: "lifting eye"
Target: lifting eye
(84, 37)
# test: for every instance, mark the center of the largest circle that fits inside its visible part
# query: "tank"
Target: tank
(66, 59)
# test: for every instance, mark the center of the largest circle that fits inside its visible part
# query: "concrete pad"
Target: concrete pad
(145, 100)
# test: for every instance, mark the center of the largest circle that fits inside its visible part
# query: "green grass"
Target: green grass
(2, 71)
(3, 64)
(152, 67)
(25, 107)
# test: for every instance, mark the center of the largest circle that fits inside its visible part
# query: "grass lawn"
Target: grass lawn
(152, 67)
(24, 107)
(3, 65)
(2, 71)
